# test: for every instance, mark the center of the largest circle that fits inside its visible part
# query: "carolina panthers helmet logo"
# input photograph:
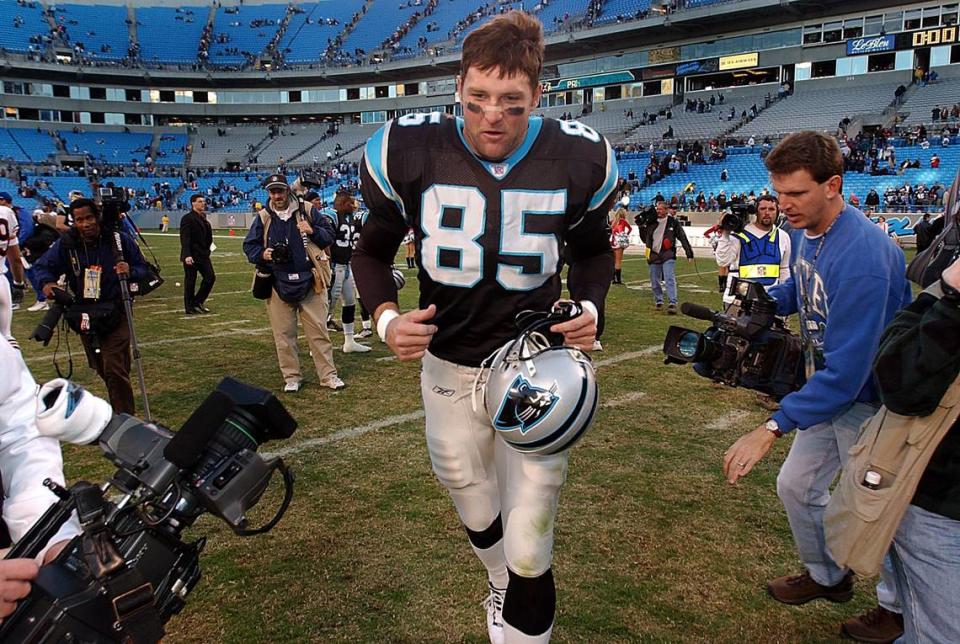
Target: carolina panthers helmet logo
(525, 405)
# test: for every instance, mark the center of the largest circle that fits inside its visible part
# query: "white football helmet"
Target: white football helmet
(540, 395)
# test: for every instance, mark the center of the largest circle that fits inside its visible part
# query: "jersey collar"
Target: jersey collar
(500, 169)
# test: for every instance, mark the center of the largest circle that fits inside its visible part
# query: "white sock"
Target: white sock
(496, 564)
(516, 636)
(348, 329)
(366, 325)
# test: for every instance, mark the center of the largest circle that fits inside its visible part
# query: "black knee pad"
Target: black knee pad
(488, 537)
(530, 602)
(347, 313)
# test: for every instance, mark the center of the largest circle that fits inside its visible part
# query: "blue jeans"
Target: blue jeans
(926, 558)
(816, 457)
(31, 274)
(665, 272)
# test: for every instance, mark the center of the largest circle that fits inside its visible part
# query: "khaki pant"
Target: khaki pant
(283, 320)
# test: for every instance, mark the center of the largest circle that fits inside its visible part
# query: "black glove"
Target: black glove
(17, 292)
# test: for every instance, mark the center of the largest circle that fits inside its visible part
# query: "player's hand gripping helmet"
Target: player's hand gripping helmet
(540, 395)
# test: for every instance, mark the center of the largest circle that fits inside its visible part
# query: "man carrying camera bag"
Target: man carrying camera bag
(87, 257)
(278, 243)
(846, 285)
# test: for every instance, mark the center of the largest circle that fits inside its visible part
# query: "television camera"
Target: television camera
(738, 216)
(747, 345)
(646, 217)
(130, 570)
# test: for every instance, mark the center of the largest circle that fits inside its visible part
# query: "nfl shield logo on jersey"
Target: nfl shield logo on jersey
(525, 405)
(499, 169)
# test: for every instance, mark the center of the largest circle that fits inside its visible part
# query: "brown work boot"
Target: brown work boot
(876, 625)
(802, 588)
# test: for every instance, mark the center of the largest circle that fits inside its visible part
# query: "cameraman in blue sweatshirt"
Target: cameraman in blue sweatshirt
(848, 281)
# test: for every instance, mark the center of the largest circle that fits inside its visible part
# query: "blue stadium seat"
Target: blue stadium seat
(305, 39)
(235, 24)
(170, 34)
(20, 23)
(108, 147)
(171, 149)
(102, 29)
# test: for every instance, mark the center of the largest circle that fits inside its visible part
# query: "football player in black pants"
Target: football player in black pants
(495, 199)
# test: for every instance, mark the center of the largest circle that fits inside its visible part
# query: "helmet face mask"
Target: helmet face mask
(540, 398)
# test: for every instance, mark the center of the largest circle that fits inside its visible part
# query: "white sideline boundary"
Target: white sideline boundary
(392, 421)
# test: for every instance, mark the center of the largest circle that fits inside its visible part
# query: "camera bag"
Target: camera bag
(263, 277)
(860, 522)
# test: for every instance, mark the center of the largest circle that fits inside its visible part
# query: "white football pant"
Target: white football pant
(485, 476)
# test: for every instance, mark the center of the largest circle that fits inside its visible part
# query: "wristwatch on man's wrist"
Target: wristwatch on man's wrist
(772, 427)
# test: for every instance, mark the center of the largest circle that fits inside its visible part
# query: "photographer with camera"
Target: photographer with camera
(660, 234)
(93, 308)
(277, 243)
(196, 239)
(26, 459)
(847, 283)
(755, 251)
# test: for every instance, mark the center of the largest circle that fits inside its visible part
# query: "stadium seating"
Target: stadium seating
(707, 125)
(305, 42)
(814, 108)
(20, 23)
(747, 173)
(380, 21)
(108, 147)
(444, 18)
(59, 187)
(170, 34)
(171, 149)
(25, 145)
(234, 24)
(102, 29)
(613, 9)
(212, 151)
(921, 100)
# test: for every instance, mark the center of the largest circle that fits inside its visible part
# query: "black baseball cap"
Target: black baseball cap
(276, 181)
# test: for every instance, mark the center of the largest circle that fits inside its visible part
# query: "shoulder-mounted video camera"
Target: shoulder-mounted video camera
(130, 570)
(738, 217)
(646, 217)
(311, 179)
(113, 203)
(747, 345)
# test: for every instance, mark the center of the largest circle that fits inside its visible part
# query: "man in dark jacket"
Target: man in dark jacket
(196, 238)
(276, 243)
(918, 360)
(661, 241)
(86, 256)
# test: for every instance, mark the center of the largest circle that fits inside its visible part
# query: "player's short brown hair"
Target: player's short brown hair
(816, 153)
(511, 42)
(342, 200)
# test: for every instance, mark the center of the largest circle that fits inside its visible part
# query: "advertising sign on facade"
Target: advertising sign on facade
(870, 45)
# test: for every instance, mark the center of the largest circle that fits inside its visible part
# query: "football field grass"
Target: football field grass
(651, 543)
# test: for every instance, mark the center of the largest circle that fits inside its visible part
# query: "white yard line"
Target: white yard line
(728, 420)
(392, 421)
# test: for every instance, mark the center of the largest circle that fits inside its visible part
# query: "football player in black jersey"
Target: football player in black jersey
(342, 288)
(495, 200)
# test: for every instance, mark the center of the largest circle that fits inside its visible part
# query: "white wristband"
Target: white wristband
(587, 305)
(386, 318)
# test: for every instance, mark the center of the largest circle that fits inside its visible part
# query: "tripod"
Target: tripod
(128, 311)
